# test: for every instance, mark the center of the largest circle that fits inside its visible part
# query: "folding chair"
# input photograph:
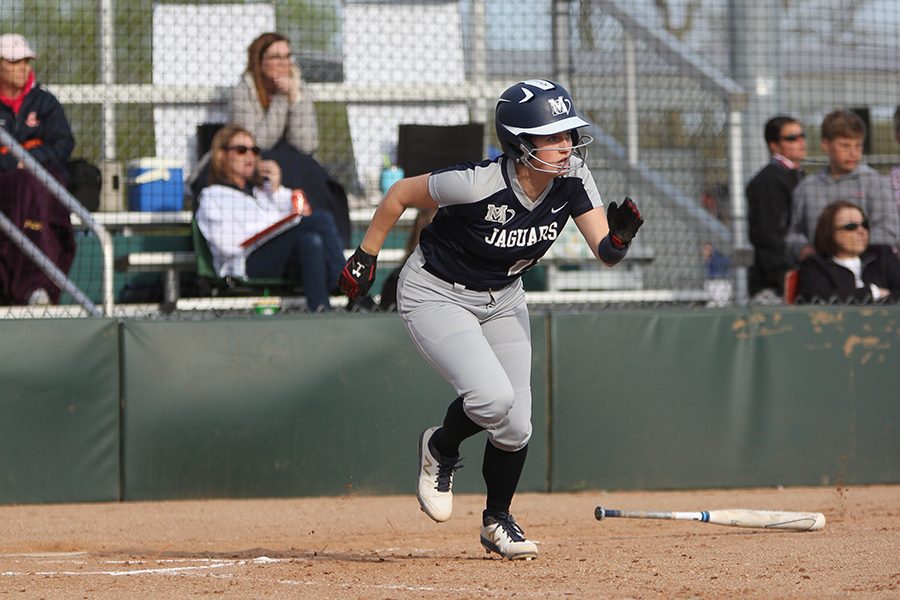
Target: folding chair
(210, 283)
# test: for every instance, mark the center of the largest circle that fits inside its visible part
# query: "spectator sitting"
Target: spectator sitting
(35, 118)
(245, 196)
(272, 103)
(845, 178)
(769, 207)
(845, 268)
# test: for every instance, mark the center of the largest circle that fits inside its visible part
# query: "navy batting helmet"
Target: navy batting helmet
(533, 107)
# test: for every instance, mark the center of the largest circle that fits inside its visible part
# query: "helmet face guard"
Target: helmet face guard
(537, 107)
(578, 157)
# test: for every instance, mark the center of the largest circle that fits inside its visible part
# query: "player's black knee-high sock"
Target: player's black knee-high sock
(457, 427)
(501, 471)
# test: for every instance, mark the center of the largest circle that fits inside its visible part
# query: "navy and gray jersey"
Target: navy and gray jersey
(486, 232)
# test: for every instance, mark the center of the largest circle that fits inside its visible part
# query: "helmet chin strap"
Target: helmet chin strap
(529, 158)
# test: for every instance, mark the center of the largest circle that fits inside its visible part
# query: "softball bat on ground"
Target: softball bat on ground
(734, 517)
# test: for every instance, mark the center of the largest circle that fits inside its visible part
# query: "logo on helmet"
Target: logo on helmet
(559, 106)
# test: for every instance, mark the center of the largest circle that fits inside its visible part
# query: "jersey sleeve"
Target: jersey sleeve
(590, 199)
(466, 183)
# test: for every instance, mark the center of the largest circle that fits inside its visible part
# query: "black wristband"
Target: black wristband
(608, 253)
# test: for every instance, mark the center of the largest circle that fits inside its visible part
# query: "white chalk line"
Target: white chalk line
(213, 564)
(45, 554)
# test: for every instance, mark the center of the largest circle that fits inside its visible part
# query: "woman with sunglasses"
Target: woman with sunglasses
(845, 267)
(244, 198)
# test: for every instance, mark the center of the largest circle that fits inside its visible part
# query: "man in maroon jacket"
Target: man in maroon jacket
(35, 118)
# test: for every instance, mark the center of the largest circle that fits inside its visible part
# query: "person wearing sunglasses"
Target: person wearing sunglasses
(769, 207)
(845, 178)
(36, 119)
(845, 267)
(245, 197)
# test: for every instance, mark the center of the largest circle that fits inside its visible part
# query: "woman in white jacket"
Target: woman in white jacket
(246, 198)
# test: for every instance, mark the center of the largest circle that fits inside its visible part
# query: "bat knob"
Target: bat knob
(599, 513)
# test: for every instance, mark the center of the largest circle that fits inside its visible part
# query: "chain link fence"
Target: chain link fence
(677, 92)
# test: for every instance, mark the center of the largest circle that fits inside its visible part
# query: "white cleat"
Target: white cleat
(435, 487)
(501, 534)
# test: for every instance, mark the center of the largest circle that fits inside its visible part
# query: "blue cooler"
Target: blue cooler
(155, 184)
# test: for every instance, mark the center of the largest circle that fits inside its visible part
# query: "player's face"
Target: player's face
(791, 142)
(276, 61)
(851, 233)
(553, 150)
(14, 74)
(843, 153)
(240, 159)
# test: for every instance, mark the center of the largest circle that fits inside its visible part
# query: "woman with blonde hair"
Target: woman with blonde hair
(245, 197)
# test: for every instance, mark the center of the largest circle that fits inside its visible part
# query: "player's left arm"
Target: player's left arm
(609, 233)
(593, 227)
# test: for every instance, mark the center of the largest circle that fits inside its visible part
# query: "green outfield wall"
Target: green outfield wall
(59, 411)
(97, 410)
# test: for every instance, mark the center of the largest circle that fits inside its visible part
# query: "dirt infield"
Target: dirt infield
(384, 547)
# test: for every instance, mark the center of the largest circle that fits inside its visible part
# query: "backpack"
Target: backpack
(84, 183)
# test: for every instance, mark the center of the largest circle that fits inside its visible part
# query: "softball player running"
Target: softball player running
(460, 293)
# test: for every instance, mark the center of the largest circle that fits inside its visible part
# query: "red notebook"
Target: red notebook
(301, 208)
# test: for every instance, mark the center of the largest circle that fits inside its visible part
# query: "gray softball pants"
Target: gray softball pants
(480, 342)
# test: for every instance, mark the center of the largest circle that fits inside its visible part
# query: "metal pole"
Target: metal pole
(738, 204)
(478, 108)
(34, 253)
(755, 54)
(562, 39)
(631, 109)
(107, 74)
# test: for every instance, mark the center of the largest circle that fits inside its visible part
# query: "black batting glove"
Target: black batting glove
(624, 222)
(358, 274)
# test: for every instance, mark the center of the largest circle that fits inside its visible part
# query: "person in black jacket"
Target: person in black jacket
(35, 118)
(845, 268)
(769, 206)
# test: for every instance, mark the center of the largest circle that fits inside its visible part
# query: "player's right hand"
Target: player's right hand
(624, 222)
(358, 274)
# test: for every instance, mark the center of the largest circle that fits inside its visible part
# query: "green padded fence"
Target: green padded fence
(333, 404)
(724, 399)
(285, 406)
(59, 411)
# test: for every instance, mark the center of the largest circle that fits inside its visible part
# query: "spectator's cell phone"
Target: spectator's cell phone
(261, 181)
